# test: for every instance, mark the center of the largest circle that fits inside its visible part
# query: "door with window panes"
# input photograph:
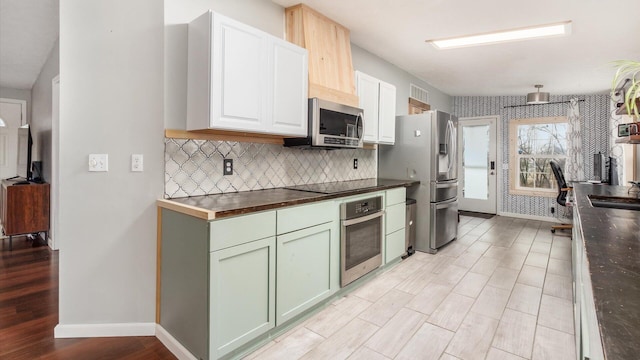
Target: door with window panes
(533, 144)
(477, 171)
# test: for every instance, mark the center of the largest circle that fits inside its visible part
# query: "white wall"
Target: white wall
(111, 101)
(41, 110)
(370, 64)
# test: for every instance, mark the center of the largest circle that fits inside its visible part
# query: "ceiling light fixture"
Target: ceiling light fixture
(557, 29)
(538, 97)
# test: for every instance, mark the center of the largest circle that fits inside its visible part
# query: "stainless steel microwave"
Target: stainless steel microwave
(331, 125)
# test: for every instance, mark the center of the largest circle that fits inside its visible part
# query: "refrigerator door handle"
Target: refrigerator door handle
(452, 141)
(444, 147)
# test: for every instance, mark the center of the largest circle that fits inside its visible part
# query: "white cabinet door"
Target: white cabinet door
(238, 78)
(378, 100)
(367, 88)
(288, 88)
(394, 245)
(243, 79)
(387, 114)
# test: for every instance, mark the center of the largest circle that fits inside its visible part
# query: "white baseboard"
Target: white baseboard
(529, 217)
(51, 243)
(104, 330)
(173, 345)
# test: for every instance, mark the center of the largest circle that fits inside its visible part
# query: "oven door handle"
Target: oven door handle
(362, 219)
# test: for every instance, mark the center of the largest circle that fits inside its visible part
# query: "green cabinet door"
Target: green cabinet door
(395, 245)
(304, 271)
(395, 217)
(242, 286)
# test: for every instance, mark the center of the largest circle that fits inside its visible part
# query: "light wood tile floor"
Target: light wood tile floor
(501, 291)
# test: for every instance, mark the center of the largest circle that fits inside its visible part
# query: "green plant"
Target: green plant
(628, 74)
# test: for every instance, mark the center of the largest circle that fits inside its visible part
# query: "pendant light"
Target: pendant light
(538, 97)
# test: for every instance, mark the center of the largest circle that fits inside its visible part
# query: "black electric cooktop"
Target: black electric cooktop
(336, 187)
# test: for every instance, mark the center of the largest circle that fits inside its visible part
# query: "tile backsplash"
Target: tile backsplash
(194, 167)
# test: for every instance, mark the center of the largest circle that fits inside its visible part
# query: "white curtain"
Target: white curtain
(616, 150)
(574, 168)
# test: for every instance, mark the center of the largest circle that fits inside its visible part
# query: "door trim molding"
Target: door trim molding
(23, 105)
(54, 237)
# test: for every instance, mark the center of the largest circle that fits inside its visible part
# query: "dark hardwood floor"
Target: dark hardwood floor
(29, 312)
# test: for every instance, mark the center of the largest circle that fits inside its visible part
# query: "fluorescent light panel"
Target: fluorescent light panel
(503, 36)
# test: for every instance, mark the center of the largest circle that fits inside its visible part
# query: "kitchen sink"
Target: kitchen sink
(615, 202)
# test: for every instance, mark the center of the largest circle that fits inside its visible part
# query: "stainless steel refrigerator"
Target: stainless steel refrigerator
(426, 150)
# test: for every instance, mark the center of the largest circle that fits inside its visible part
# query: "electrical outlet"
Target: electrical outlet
(98, 162)
(355, 163)
(227, 167)
(137, 163)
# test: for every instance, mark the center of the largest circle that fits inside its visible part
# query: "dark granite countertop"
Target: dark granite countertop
(217, 206)
(612, 242)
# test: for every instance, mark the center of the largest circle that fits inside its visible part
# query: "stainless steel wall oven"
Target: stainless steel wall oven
(361, 238)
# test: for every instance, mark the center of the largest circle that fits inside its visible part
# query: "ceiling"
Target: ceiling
(581, 63)
(28, 32)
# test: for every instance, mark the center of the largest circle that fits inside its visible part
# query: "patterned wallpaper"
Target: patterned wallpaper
(194, 167)
(594, 111)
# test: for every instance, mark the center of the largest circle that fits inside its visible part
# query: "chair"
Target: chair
(563, 190)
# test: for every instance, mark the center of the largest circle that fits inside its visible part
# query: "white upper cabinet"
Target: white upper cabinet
(243, 79)
(378, 100)
(367, 89)
(387, 114)
(289, 88)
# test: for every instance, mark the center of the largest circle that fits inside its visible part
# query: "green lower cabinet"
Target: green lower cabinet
(395, 231)
(306, 265)
(242, 286)
(395, 217)
(395, 243)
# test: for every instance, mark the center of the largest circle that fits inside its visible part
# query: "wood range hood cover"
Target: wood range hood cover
(331, 75)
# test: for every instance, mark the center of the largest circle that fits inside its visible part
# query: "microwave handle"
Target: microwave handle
(359, 117)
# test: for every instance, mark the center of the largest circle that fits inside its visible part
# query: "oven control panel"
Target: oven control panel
(362, 207)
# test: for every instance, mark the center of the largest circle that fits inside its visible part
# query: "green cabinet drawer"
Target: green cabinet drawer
(395, 245)
(396, 196)
(304, 269)
(395, 217)
(303, 216)
(238, 230)
(242, 294)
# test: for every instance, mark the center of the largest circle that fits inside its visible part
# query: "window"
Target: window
(533, 143)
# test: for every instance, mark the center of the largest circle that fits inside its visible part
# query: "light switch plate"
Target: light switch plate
(98, 162)
(137, 162)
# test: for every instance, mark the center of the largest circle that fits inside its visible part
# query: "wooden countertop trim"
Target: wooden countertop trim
(194, 211)
(203, 213)
(223, 135)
